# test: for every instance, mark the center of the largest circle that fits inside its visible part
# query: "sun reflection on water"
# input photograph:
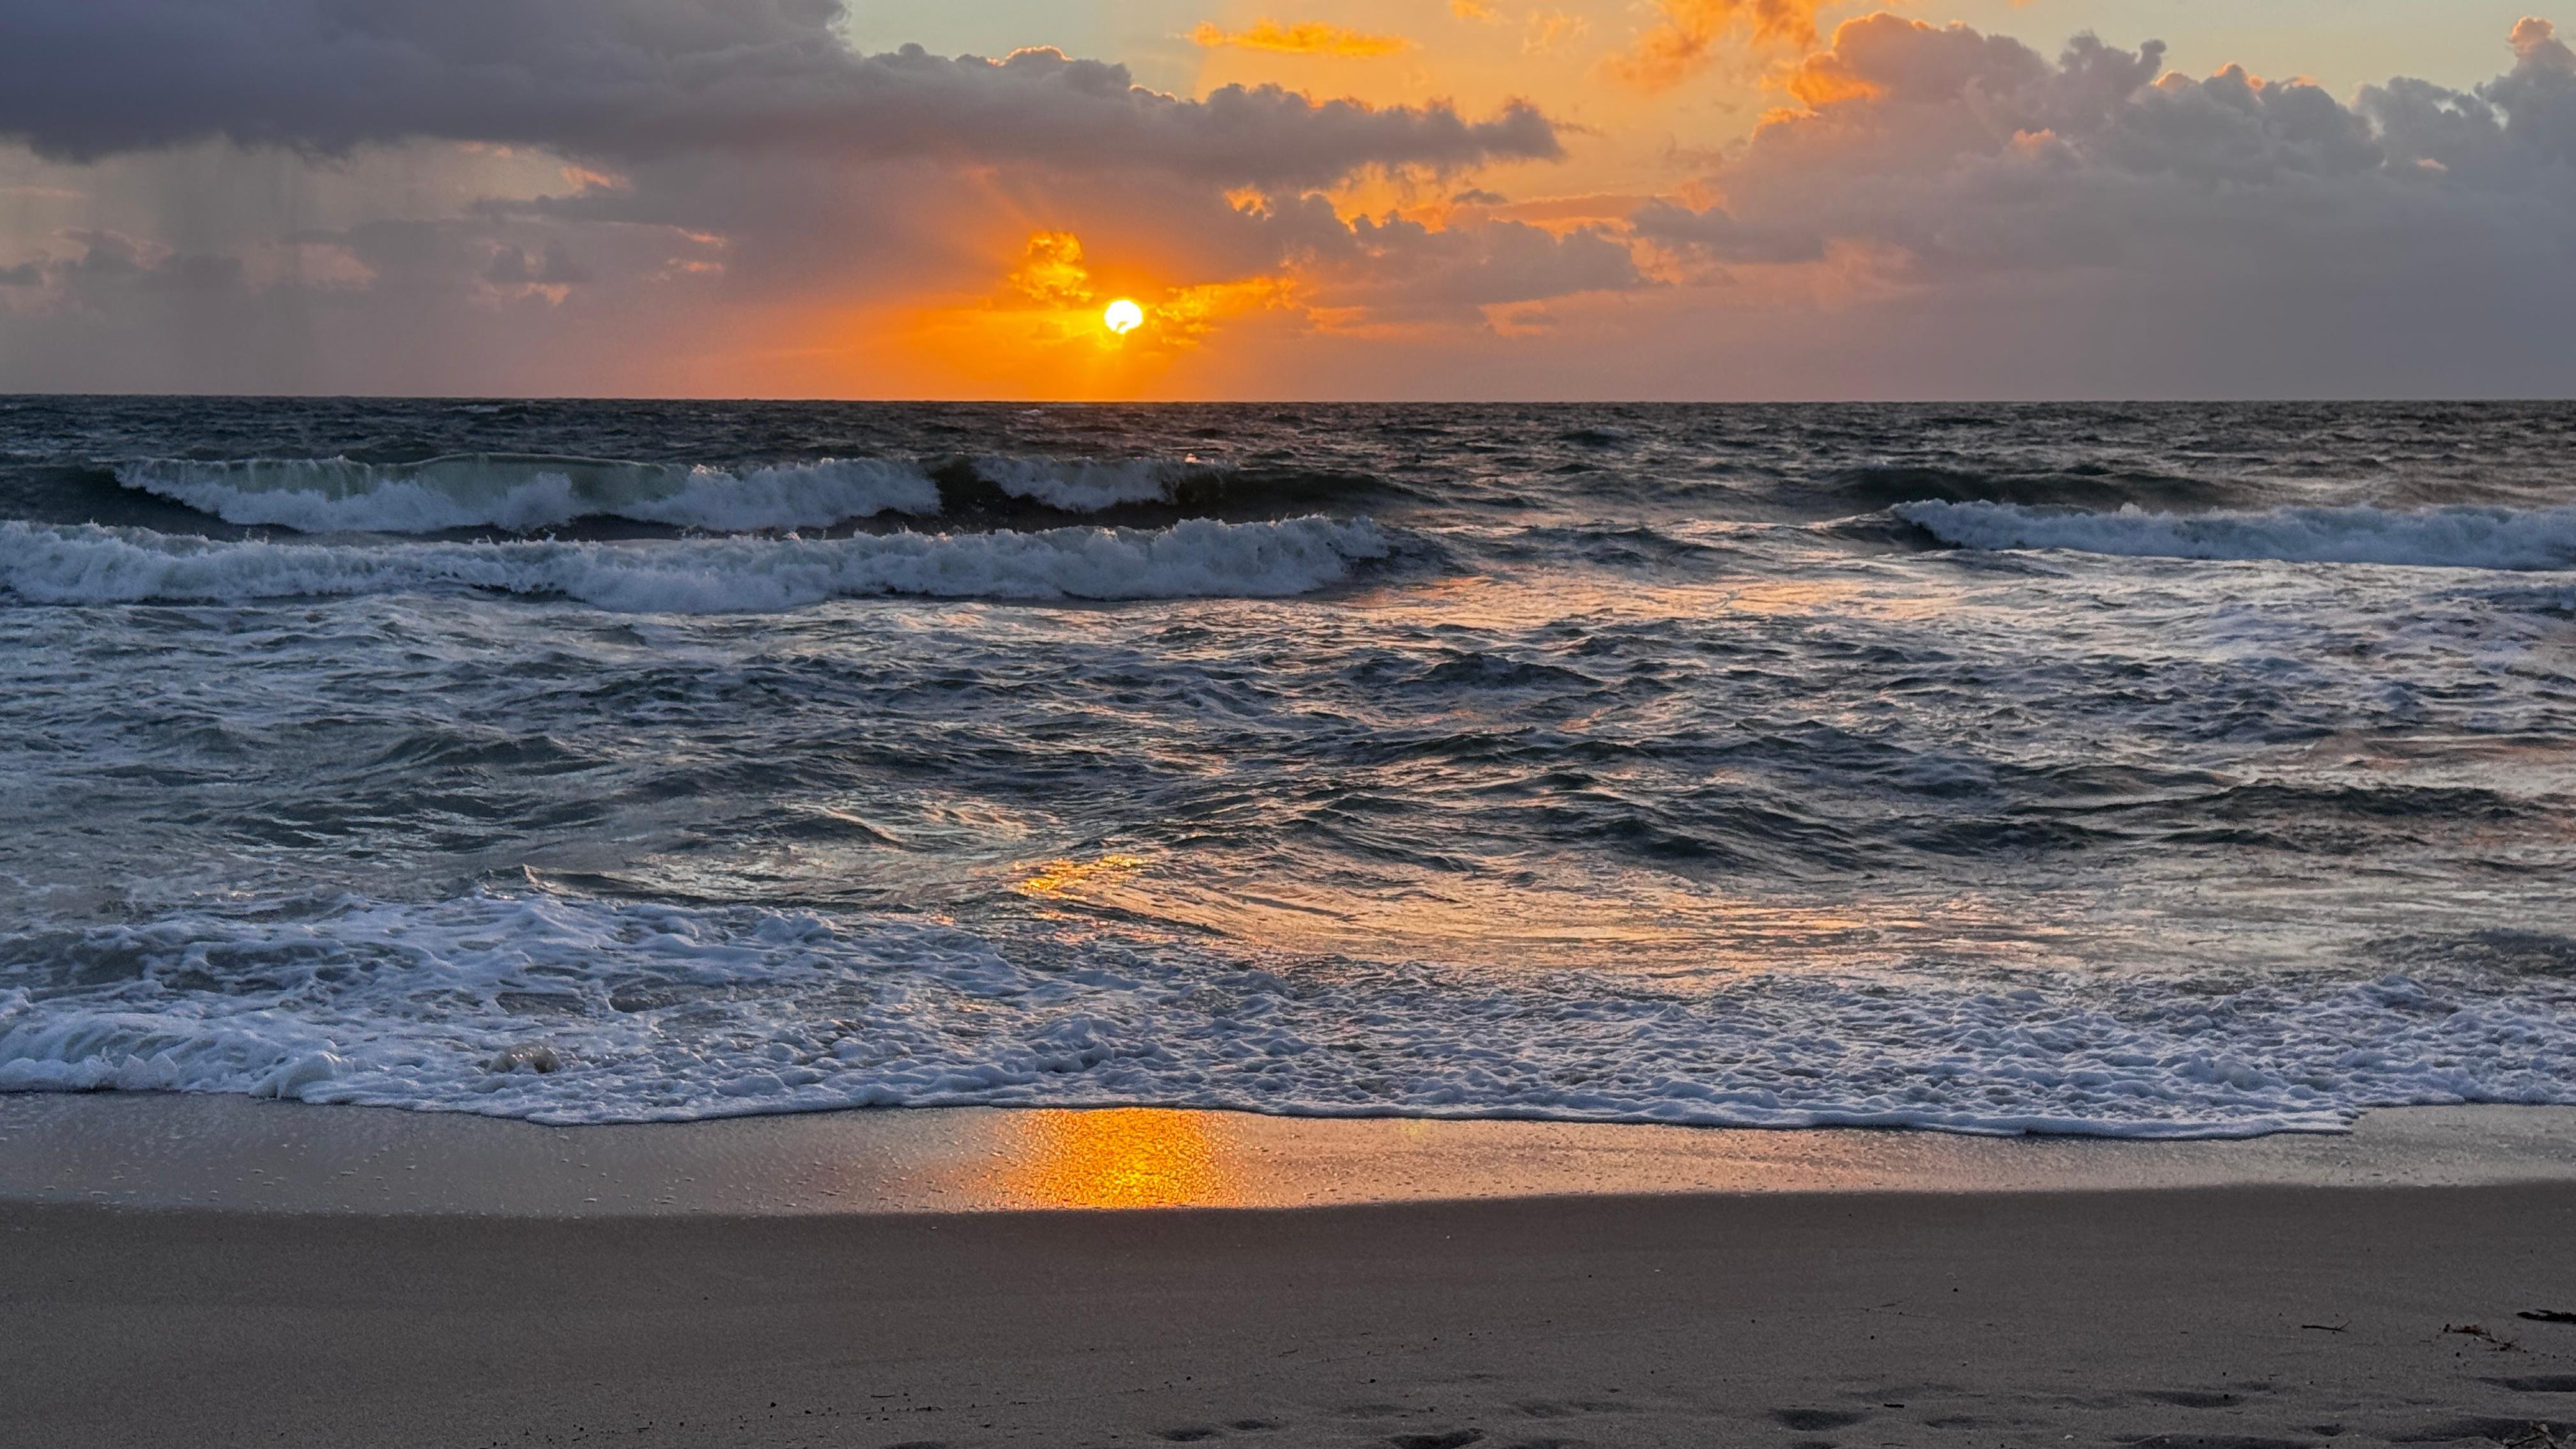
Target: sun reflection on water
(1056, 877)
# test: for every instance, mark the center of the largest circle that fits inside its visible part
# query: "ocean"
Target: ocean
(2156, 771)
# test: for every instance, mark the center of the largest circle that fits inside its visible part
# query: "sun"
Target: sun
(1123, 317)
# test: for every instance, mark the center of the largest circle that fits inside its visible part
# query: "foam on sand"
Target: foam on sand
(2463, 537)
(523, 494)
(569, 1009)
(1197, 558)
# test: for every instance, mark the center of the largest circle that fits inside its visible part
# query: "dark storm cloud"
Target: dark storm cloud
(631, 79)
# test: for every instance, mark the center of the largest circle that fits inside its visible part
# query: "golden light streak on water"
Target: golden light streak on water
(1056, 877)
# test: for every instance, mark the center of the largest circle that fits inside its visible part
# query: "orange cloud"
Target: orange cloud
(1692, 29)
(1053, 274)
(1590, 207)
(1310, 37)
(1823, 79)
(1190, 313)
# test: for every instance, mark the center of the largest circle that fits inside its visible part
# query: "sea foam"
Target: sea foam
(1192, 559)
(525, 494)
(2460, 537)
(1087, 485)
(568, 1009)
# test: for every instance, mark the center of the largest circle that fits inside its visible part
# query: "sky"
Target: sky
(1405, 199)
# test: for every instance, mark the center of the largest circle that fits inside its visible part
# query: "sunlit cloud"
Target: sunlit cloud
(1598, 206)
(1053, 274)
(1691, 31)
(1305, 38)
(584, 178)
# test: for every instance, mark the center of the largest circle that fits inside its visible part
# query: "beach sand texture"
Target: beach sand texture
(2296, 1306)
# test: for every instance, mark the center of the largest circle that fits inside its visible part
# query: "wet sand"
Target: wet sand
(2266, 1309)
(150, 1150)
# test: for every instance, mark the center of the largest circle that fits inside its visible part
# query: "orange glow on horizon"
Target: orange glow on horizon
(1055, 329)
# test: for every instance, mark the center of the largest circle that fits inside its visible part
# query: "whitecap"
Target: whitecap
(1197, 558)
(1088, 485)
(524, 494)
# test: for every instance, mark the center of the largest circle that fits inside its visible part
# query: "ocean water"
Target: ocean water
(2152, 771)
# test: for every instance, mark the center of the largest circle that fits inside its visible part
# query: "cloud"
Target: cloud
(108, 264)
(2509, 133)
(1691, 30)
(631, 79)
(655, 195)
(1391, 269)
(1963, 151)
(552, 266)
(1309, 37)
(1589, 206)
(1716, 233)
(1957, 209)
(1053, 273)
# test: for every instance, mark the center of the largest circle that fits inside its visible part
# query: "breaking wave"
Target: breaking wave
(524, 493)
(527, 493)
(564, 1009)
(1194, 558)
(1087, 485)
(2458, 537)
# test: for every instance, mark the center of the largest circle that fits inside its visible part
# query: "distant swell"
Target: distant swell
(1195, 558)
(524, 494)
(2472, 538)
(2082, 486)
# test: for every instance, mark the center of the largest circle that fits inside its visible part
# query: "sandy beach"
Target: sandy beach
(2363, 1289)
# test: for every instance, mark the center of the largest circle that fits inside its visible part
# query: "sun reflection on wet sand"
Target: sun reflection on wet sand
(1117, 1157)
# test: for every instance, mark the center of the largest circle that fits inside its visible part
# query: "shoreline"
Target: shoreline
(236, 1154)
